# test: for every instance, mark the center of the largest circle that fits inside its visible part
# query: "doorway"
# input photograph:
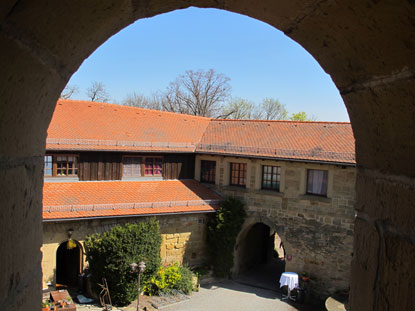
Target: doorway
(260, 264)
(68, 263)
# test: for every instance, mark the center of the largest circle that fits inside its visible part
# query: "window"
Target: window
(271, 177)
(238, 174)
(138, 166)
(60, 165)
(131, 166)
(48, 165)
(208, 171)
(317, 182)
(153, 166)
(66, 166)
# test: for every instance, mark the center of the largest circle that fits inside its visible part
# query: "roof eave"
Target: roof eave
(124, 216)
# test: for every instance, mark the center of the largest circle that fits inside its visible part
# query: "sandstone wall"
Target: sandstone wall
(183, 239)
(316, 231)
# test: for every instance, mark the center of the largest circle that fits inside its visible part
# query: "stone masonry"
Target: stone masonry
(183, 239)
(316, 231)
(366, 47)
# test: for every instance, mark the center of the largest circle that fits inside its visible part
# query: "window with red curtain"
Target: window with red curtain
(153, 167)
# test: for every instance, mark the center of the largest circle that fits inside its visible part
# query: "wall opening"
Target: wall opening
(68, 263)
(261, 257)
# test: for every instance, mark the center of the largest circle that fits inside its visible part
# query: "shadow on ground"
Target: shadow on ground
(261, 291)
(265, 277)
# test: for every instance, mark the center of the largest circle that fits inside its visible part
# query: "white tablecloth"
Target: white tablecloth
(290, 279)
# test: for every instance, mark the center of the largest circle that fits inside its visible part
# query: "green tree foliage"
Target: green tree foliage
(110, 254)
(222, 232)
(300, 116)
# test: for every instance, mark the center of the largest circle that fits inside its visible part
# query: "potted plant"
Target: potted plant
(305, 277)
(45, 306)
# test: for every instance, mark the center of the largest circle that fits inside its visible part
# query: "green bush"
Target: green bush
(110, 254)
(222, 232)
(185, 284)
(169, 279)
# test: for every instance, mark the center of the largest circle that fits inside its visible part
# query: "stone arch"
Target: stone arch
(366, 47)
(248, 224)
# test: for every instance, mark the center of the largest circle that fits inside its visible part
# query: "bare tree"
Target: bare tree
(97, 92)
(200, 93)
(272, 109)
(238, 108)
(68, 91)
(135, 100)
(142, 101)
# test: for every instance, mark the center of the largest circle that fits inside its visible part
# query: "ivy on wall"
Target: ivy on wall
(222, 232)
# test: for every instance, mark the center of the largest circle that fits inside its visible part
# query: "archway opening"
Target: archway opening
(68, 263)
(262, 257)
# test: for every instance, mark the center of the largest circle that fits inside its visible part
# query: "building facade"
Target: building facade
(108, 164)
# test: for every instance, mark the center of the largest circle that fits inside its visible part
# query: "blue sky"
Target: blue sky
(259, 59)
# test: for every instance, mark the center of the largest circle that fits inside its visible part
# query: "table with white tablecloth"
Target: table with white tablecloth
(289, 279)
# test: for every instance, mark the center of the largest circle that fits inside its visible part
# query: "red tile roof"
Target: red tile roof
(316, 141)
(84, 125)
(76, 200)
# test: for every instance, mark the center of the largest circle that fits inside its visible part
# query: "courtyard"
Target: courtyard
(225, 295)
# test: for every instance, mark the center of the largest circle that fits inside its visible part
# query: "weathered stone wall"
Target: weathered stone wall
(365, 46)
(317, 231)
(183, 239)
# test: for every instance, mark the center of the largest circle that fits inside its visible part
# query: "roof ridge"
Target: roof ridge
(280, 121)
(132, 107)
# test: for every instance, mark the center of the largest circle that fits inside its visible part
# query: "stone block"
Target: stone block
(21, 234)
(96, 22)
(385, 141)
(364, 266)
(352, 52)
(391, 200)
(25, 124)
(182, 240)
(397, 274)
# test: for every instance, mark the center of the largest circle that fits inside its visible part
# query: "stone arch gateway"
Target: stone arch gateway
(69, 263)
(366, 46)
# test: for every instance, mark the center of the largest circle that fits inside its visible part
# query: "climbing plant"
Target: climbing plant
(110, 254)
(223, 229)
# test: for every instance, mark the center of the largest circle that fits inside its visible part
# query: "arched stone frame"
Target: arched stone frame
(364, 45)
(81, 257)
(246, 227)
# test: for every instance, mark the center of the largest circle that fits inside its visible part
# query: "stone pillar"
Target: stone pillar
(24, 117)
(384, 247)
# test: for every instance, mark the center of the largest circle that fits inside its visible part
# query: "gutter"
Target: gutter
(277, 158)
(124, 216)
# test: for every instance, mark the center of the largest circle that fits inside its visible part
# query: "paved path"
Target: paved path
(229, 295)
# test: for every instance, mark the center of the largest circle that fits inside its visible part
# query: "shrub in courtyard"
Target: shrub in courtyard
(223, 229)
(110, 254)
(170, 279)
